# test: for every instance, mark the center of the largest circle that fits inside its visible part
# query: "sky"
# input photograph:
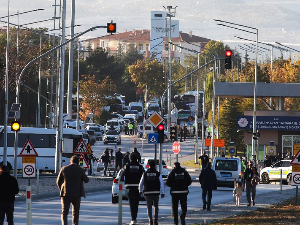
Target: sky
(276, 20)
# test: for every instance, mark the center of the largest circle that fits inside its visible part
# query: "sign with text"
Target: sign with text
(269, 123)
(207, 142)
(219, 142)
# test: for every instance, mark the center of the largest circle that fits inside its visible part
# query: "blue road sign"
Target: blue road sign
(190, 123)
(232, 150)
(152, 138)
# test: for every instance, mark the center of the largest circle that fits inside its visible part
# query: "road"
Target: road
(97, 208)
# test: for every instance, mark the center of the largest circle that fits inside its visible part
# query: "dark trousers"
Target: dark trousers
(65, 204)
(8, 209)
(183, 202)
(118, 164)
(133, 199)
(206, 192)
(250, 189)
(152, 199)
(105, 164)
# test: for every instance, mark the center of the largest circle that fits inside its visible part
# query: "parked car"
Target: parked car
(165, 170)
(272, 173)
(97, 130)
(115, 190)
(227, 169)
(131, 117)
(91, 136)
(102, 128)
(115, 123)
(72, 123)
(112, 136)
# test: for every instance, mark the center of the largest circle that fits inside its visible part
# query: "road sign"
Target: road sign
(28, 149)
(28, 159)
(295, 179)
(190, 123)
(152, 138)
(81, 148)
(231, 150)
(82, 162)
(219, 142)
(155, 119)
(176, 147)
(28, 169)
(207, 142)
(296, 159)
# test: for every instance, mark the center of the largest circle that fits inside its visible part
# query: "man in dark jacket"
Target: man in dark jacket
(204, 160)
(179, 180)
(138, 155)
(8, 189)
(132, 176)
(208, 181)
(152, 185)
(126, 159)
(105, 160)
(248, 177)
(119, 159)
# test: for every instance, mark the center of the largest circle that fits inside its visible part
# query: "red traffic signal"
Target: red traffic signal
(111, 28)
(228, 53)
(160, 127)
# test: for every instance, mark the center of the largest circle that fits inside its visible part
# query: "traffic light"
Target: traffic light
(111, 28)
(228, 54)
(174, 133)
(15, 126)
(161, 133)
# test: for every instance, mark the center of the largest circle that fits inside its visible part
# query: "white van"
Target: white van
(116, 123)
(227, 169)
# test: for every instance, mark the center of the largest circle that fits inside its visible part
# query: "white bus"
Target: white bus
(44, 142)
(188, 99)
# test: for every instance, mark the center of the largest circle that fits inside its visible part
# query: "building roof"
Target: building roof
(144, 36)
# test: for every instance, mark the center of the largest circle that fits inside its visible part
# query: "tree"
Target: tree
(95, 95)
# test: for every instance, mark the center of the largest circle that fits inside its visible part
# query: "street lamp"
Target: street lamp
(255, 79)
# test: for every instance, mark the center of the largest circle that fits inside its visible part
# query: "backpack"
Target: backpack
(255, 180)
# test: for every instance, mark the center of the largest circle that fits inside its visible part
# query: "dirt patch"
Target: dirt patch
(283, 213)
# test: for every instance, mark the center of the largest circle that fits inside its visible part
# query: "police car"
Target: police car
(272, 173)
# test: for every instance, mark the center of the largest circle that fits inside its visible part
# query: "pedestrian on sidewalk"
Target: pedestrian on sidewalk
(204, 160)
(248, 177)
(126, 159)
(179, 180)
(208, 181)
(137, 153)
(70, 183)
(119, 160)
(237, 193)
(254, 183)
(152, 184)
(132, 176)
(8, 189)
(105, 158)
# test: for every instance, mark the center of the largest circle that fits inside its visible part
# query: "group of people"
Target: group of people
(130, 128)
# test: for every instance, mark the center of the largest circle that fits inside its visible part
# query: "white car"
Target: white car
(272, 173)
(112, 136)
(115, 190)
(165, 170)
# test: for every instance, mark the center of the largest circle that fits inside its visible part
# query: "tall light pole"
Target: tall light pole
(254, 131)
(170, 13)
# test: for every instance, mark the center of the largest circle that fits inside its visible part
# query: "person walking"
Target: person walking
(208, 181)
(254, 183)
(248, 177)
(184, 131)
(8, 189)
(105, 160)
(137, 153)
(152, 185)
(119, 160)
(204, 160)
(132, 176)
(130, 126)
(126, 159)
(178, 181)
(237, 193)
(70, 183)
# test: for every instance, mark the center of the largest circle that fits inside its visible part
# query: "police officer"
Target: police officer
(179, 180)
(152, 185)
(132, 176)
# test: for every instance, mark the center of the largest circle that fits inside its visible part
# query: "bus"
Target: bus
(44, 141)
(187, 101)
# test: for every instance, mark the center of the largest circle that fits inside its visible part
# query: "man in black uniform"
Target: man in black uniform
(152, 185)
(179, 180)
(132, 176)
(126, 159)
(248, 177)
(204, 160)
(138, 155)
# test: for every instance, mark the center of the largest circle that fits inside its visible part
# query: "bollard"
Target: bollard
(37, 185)
(167, 154)
(280, 179)
(170, 161)
(120, 203)
(234, 184)
(28, 205)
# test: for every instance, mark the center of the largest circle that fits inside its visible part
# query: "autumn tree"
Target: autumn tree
(95, 95)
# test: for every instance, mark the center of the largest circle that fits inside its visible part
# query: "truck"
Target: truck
(151, 107)
(139, 107)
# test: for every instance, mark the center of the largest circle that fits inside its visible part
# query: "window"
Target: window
(141, 47)
(229, 165)
(102, 44)
(166, 47)
(147, 47)
(157, 15)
